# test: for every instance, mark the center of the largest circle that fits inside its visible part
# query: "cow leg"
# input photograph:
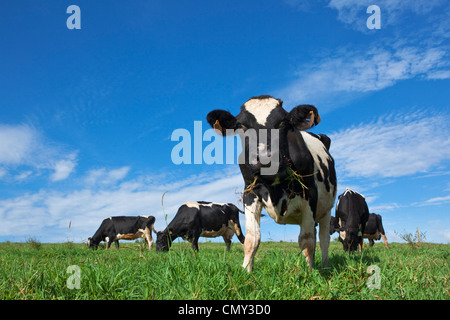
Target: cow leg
(109, 241)
(371, 242)
(116, 242)
(307, 238)
(227, 242)
(227, 236)
(252, 232)
(195, 241)
(385, 241)
(324, 238)
(148, 237)
(195, 244)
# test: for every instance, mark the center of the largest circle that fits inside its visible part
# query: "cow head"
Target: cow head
(163, 240)
(91, 244)
(262, 125)
(334, 227)
(350, 238)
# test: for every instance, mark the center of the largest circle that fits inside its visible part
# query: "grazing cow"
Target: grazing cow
(201, 219)
(333, 225)
(127, 228)
(374, 230)
(298, 183)
(352, 214)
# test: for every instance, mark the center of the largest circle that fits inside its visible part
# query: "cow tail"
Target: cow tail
(238, 229)
(151, 224)
(241, 235)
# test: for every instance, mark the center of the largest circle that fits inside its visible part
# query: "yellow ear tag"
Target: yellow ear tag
(217, 127)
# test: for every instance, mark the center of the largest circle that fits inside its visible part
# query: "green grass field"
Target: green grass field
(29, 271)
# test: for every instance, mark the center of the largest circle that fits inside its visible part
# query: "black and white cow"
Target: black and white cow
(374, 229)
(201, 219)
(302, 188)
(352, 214)
(127, 228)
(333, 224)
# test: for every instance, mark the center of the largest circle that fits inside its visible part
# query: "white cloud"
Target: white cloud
(350, 72)
(381, 208)
(445, 234)
(24, 148)
(87, 207)
(393, 12)
(16, 143)
(439, 199)
(23, 175)
(392, 146)
(433, 201)
(106, 177)
(353, 12)
(439, 75)
(63, 168)
(302, 5)
(354, 70)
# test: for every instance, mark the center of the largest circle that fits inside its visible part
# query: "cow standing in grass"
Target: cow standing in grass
(352, 214)
(286, 170)
(373, 231)
(201, 219)
(127, 228)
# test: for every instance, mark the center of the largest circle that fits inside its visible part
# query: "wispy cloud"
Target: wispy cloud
(303, 5)
(392, 146)
(63, 168)
(353, 12)
(16, 142)
(106, 177)
(381, 208)
(23, 175)
(347, 73)
(353, 70)
(433, 201)
(24, 148)
(445, 234)
(88, 206)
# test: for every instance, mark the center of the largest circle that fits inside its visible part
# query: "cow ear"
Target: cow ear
(304, 116)
(221, 120)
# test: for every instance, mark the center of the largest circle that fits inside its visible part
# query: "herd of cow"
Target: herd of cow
(302, 191)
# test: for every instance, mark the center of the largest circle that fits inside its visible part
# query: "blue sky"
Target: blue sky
(86, 116)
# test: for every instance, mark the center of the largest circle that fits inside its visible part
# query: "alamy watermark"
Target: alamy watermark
(74, 20)
(261, 147)
(374, 21)
(374, 280)
(74, 280)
